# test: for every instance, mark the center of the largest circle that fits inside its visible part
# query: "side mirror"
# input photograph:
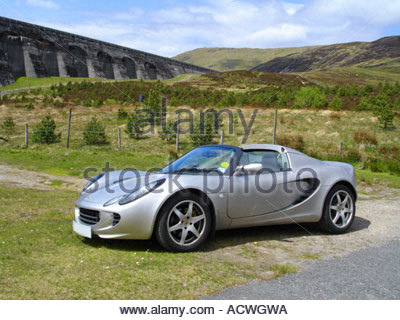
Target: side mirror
(250, 168)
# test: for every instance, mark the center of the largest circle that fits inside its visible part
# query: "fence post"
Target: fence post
(163, 114)
(69, 127)
(275, 122)
(221, 140)
(26, 135)
(340, 147)
(119, 138)
(177, 132)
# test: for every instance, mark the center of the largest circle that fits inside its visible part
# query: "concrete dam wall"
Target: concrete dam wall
(28, 50)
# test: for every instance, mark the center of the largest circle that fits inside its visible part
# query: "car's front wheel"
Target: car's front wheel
(339, 210)
(184, 223)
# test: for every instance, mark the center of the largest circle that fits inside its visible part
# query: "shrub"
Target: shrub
(385, 114)
(87, 102)
(122, 114)
(94, 133)
(110, 101)
(136, 122)
(8, 125)
(292, 141)
(203, 130)
(365, 137)
(97, 103)
(336, 103)
(365, 104)
(310, 97)
(153, 103)
(45, 131)
(369, 88)
(169, 132)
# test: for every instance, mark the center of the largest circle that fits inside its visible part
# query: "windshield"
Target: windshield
(203, 159)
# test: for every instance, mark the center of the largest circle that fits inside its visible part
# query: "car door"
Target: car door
(265, 192)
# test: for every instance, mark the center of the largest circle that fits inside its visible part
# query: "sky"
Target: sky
(170, 27)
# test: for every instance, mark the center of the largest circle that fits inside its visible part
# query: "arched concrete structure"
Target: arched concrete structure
(48, 53)
(36, 51)
(13, 50)
(130, 68)
(151, 70)
(106, 64)
(77, 64)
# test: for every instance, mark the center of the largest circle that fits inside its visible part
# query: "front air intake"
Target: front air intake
(87, 216)
(116, 218)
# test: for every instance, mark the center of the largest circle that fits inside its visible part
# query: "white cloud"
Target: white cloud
(237, 23)
(291, 8)
(281, 33)
(48, 4)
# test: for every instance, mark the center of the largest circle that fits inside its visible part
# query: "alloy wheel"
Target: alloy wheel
(341, 209)
(186, 223)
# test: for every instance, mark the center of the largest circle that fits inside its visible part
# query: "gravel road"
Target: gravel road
(369, 273)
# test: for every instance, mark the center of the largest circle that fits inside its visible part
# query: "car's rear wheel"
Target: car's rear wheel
(339, 210)
(184, 223)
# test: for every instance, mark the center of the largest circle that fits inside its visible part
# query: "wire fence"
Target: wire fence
(325, 130)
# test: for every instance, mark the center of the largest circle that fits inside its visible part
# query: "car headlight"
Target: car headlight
(90, 184)
(143, 190)
(113, 200)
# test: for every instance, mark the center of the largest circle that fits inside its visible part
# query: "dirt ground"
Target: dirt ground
(14, 177)
(377, 221)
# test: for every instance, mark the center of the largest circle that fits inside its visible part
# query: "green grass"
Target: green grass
(56, 183)
(41, 258)
(184, 77)
(27, 82)
(282, 269)
(59, 161)
(372, 178)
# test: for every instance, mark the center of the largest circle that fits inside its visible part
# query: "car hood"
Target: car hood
(117, 183)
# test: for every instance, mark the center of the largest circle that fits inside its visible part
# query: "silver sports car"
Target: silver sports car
(217, 187)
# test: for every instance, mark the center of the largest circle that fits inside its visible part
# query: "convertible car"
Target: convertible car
(217, 187)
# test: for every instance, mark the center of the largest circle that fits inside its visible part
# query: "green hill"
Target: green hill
(228, 59)
(382, 54)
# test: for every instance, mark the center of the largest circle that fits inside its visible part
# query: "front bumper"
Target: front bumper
(135, 220)
(81, 229)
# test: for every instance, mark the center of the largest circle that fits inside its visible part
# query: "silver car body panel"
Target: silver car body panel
(232, 207)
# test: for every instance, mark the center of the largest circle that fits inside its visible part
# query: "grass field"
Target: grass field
(318, 133)
(27, 82)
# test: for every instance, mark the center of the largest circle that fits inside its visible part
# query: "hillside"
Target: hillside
(382, 54)
(228, 59)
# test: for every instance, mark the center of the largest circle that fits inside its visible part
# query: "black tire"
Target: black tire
(168, 218)
(344, 220)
